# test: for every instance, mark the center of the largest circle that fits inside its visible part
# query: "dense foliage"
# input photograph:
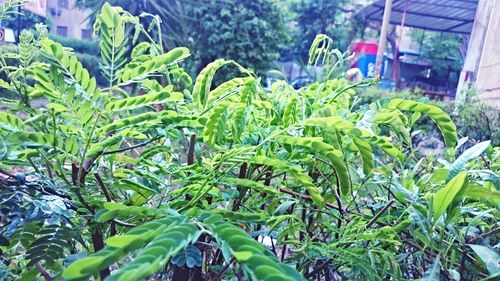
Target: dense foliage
(170, 14)
(250, 32)
(20, 19)
(158, 175)
(78, 45)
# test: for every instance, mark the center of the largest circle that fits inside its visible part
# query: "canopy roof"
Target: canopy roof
(454, 16)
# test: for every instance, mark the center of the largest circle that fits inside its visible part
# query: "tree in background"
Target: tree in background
(443, 50)
(319, 16)
(251, 32)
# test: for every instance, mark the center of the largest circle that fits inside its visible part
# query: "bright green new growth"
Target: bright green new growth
(441, 118)
(444, 197)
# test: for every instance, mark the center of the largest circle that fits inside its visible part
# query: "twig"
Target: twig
(484, 235)
(306, 197)
(433, 255)
(336, 194)
(132, 147)
(100, 182)
(98, 243)
(242, 174)
(318, 269)
(7, 173)
(49, 170)
(374, 219)
(223, 270)
(486, 163)
(393, 195)
(10, 197)
(122, 223)
(190, 154)
(461, 268)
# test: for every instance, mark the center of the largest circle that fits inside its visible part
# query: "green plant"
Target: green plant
(252, 33)
(91, 63)
(474, 119)
(443, 50)
(477, 120)
(152, 177)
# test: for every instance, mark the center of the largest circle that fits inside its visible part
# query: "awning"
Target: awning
(454, 16)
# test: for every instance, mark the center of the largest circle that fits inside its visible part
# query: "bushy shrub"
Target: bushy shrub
(227, 182)
(476, 120)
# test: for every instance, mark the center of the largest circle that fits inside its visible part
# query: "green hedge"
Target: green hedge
(80, 46)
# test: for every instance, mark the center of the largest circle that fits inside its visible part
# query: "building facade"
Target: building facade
(68, 20)
(487, 58)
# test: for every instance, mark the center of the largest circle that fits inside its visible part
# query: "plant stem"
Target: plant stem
(43, 272)
(381, 212)
(306, 197)
(101, 184)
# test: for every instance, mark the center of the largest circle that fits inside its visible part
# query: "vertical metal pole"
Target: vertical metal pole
(382, 42)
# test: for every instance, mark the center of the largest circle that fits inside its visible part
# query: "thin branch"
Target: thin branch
(132, 147)
(190, 154)
(305, 197)
(49, 170)
(318, 269)
(101, 184)
(433, 255)
(374, 219)
(223, 270)
(7, 173)
(484, 235)
(122, 223)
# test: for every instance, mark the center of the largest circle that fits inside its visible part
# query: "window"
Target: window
(62, 31)
(63, 4)
(86, 34)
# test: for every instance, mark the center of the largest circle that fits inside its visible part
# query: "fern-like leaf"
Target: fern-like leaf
(216, 124)
(120, 246)
(165, 95)
(296, 172)
(258, 261)
(441, 118)
(50, 244)
(327, 151)
(203, 82)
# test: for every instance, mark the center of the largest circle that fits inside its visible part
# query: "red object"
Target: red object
(364, 48)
